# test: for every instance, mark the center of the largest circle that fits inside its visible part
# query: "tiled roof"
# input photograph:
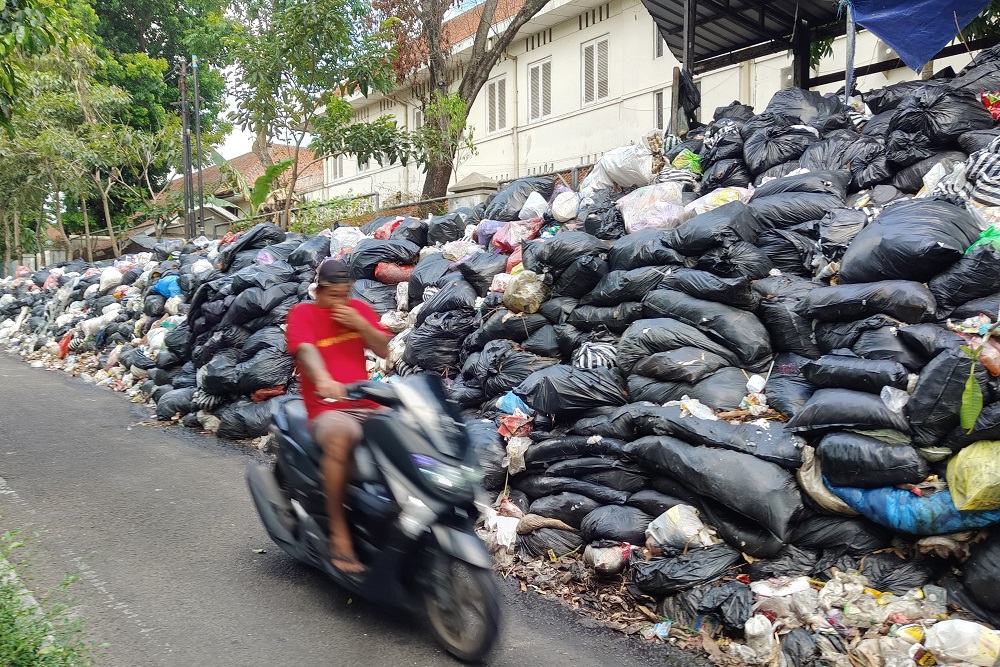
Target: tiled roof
(248, 164)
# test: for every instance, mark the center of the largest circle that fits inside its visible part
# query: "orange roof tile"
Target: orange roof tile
(250, 166)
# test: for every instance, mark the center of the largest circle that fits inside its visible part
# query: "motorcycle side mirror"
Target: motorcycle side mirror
(380, 392)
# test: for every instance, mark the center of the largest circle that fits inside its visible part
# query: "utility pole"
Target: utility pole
(188, 182)
(197, 141)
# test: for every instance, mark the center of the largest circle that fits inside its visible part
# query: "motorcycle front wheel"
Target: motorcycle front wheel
(465, 617)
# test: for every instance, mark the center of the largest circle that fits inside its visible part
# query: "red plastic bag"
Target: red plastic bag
(392, 274)
(51, 282)
(514, 259)
(64, 344)
(262, 395)
(385, 231)
(512, 234)
(22, 271)
(992, 102)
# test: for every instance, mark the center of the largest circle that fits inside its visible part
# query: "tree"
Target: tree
(297, 61)
(427, 48)
(26, 30)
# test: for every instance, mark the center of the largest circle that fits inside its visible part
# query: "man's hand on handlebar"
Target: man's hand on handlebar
(330, 390)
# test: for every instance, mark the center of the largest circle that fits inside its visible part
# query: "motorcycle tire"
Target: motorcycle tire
(476, 595)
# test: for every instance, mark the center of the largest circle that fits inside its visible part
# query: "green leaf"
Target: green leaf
(262, 186)
(972, 402)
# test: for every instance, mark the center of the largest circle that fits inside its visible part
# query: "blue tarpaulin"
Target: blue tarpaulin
(916, 29)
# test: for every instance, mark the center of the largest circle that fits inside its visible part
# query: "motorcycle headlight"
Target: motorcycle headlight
(454, 482)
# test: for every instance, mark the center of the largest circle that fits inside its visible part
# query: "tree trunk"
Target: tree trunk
(6, 244)
(107, 214)
(86, 229)
(39, 240)
(436, 181)
(261, 150)
(928, 71)
(18, 252)
(59, 220)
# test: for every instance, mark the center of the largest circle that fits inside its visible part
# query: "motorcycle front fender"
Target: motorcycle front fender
(462, 545)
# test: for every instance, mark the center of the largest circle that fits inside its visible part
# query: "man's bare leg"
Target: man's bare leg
(338, 434)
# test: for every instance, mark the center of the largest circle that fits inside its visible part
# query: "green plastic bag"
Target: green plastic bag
(687, 160)
(974, 476)
(990, 235)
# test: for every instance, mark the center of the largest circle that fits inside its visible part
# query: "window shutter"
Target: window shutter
(602, 69)
(491, 103)
(534, 92)
(658, 110)
(588, 73)
(546, 88)
(501, 104)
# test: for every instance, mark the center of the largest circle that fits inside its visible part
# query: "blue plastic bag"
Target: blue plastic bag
(167, 287)
(905, 512)
(509, 402)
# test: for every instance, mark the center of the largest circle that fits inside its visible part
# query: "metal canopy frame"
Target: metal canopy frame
(708, 34)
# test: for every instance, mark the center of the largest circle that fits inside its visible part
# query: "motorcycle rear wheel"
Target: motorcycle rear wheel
(467, 630)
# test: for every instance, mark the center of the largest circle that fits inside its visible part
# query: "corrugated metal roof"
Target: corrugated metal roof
(727, 26)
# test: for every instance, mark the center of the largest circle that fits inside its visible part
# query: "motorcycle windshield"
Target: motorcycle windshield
(426, 405)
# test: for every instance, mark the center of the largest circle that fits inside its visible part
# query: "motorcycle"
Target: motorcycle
(410, 506)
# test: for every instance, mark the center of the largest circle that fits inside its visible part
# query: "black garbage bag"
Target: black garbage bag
(613, 318)
(738, 330)
(571, 447)
(586, 465)
(219, 376)
(256, 238)
(178, 340)
(840, 534)
(726, 174)
(154, 306)
(987, 305)
(503, 324)
(268, 337)
(722, 390)
(560, 388)
(977, 140)
(480, 269)
(537, 486)
(987, 427)
(727, 147)
(311, 253)
(775, 144)
(457, 295)
(649, 336)
(507, 203)
(280, 252)
(830, 409)
(786, 209)
(255, 302)
(930, 340)
(465, 395)
(432, 271)
(788, 393)
(570, 508)
(732, 602)
(737, 260)
(904, 148)
(734, 110)
(911, 179)
(975, 275)
(878, 125)
(773, 444)
(159, 390)
(891, 572)
(888, 98)
(448, 227)
(808, 107)
(941, 114)
(850, 459)
(413, 230)
(163, 250)
(489, 446)
(838, 228)
(545, 343)
(263, 276)
(937, 399)
(650, 247)
(684, 364)
(176, 403)
(868, 163)
(245, 420)
(904, 300)
(828, 154)
(789, 252)
(830, 182)
(757, 489)
(381, 298)
(981, 573)
(730, 223)
(581, 277)
(619, 286)
(555, 254)
(736, 292)
(370, 252)
(873, 338)
(502, 366)
(167, 359)
(910, 240)
(619, 523)
(790, 561)
(779, 171)
(837, 371)
(435, 345)
(271, 367)
(540, 542)
(605, 223)
(682, 570)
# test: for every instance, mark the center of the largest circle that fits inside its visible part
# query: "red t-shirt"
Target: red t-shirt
(342, 350)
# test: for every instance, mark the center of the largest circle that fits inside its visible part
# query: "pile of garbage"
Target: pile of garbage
(749, 376)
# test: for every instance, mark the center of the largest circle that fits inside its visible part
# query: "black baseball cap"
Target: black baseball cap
(333, 272)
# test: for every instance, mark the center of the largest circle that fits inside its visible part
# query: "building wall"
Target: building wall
(576, 133)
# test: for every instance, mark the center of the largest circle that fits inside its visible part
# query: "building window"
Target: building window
(661, 46)
(595, 70)
(418, 119)
(336, 167)
(658, 110)
(540, 90)
(496, 104)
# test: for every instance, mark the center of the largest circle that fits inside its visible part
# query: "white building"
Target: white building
(582, 77)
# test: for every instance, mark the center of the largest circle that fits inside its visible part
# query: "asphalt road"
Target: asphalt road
(159, 527)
